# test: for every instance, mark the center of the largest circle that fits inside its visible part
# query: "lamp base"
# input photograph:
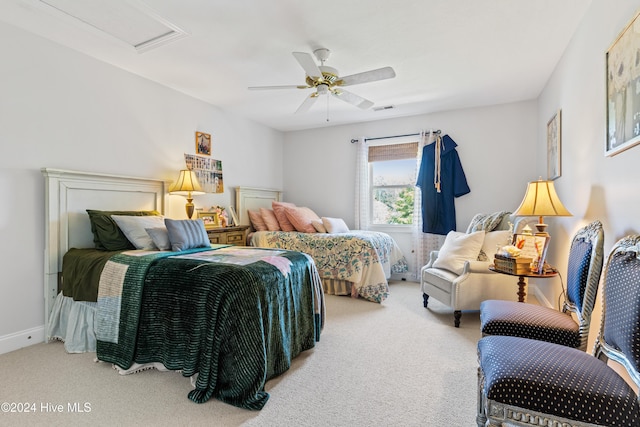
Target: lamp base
(542, 229)
(190, 208)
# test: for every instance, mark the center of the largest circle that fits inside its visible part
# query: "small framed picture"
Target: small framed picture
(210, 219)
(203, 143)
(234, 216)
(534, 247)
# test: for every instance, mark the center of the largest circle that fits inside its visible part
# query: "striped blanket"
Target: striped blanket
(236, 317)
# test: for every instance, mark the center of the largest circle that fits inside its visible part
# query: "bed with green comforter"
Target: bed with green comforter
(232, 318)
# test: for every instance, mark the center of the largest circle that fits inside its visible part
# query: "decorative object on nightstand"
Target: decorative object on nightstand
(541, 200)
(210, 218)
(187, 185)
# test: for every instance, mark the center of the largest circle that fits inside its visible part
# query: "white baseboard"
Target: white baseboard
(403, 276)
(542, 300)
(21, 339)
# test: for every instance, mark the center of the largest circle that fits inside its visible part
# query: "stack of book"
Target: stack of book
(512, 265)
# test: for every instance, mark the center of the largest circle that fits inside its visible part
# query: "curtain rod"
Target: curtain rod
(353, 141)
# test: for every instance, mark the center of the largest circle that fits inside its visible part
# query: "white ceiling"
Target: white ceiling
(447, 54)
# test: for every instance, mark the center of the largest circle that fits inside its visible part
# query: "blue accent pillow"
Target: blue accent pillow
(186, 234)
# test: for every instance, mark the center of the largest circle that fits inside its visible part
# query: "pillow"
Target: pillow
(187, 234)
(458, 248)
(106, 233)
(318, 225)
(334, 225)
(278, 209)
(133, 227)
(301, 218)
(492, 241)
(487, 222)
(270, 220)
(256, 221)
(160, 237)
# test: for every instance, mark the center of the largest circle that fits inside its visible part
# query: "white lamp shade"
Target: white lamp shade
(541, 200)
(187, 184)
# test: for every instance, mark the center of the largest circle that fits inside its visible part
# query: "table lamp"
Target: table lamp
(541, 200)
(187, 185)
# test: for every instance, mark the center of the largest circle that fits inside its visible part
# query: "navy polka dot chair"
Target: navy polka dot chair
(525, 382)
(537, 322)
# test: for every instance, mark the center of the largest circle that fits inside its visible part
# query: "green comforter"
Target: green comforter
(236, 317)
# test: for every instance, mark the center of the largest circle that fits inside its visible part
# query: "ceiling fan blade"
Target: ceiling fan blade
(353, 99)
(368, 76)
(307, 103)
(279, 87)
(308, 64)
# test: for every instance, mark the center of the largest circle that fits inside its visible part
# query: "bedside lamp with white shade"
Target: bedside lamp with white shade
(187, 185)
(541, 200)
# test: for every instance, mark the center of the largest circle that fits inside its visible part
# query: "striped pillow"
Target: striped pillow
(187, 234)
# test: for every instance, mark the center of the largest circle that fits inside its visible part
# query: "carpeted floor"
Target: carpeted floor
(394, 364)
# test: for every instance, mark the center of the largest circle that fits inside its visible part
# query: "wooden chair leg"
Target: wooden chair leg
(456, 318)
(425, 300)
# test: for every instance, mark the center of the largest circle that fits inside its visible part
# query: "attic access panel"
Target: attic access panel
(129, 21)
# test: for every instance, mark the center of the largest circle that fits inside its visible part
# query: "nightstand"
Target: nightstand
(236, 236)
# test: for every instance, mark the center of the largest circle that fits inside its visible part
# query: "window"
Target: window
(392, 170)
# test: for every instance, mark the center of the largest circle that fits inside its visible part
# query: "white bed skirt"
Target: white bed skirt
(73, 322)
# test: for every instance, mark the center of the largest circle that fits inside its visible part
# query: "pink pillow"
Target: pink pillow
(301, 218)
(278, 209)
(270, 220)
(256, 220)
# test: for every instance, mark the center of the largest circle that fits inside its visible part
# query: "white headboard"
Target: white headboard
(68, 194)
(248, 198)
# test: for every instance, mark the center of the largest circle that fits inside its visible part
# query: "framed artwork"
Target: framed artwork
(234, 216)
(203, 143)
(208, 171)
(534, 247)
(623, 99)
(554, 135)
(210, 219)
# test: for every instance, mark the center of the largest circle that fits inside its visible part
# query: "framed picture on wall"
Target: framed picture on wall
(623, 98)
(203, 143)
(554, 135)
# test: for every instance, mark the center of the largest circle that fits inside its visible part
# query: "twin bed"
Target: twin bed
(356, 263)
(230, 318)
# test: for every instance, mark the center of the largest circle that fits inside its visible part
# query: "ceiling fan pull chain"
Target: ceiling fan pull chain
(327, 108)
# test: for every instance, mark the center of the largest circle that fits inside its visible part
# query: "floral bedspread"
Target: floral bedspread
(364, 258)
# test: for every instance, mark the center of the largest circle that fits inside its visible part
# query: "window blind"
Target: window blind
(379, 153)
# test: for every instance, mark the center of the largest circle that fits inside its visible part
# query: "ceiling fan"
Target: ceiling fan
(326, 80)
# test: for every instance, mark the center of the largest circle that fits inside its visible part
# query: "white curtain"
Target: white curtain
(423, 243)
(362, 185)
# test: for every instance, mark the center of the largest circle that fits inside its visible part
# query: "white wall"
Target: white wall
(65, 110)
(592, 186)
(496, 146)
